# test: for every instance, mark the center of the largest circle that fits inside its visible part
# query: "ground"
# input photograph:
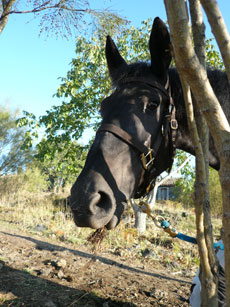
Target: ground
(38, 271)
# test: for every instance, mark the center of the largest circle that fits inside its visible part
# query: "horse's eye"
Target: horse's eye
(152, 105)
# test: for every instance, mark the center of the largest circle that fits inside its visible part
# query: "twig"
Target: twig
(78, 299)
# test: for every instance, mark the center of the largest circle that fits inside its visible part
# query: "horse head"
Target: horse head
(132, 146)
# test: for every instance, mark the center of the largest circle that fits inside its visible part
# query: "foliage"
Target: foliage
(62, 164)
(215, 193)
(12, 156)
(185, 189)
(23, 186)
(213, 58)
(87, 83)
(185, 184)
(63, 18)
(184, 192)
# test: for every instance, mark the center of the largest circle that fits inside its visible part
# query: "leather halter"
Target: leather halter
(148, 155)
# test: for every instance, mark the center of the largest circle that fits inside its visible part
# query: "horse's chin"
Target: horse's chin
(116, 218)
(113, 223)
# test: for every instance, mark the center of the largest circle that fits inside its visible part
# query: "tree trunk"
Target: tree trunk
(210, 282)
(5, 14)
(140, 217)
(196, 76)
(208, 294)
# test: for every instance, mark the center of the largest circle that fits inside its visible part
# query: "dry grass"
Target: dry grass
(49, 215)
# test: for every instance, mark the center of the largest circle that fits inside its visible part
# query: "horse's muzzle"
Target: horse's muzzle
(98, 211)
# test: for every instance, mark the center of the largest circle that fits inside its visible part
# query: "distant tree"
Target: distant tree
(60, 17)
(12, 157)
(185, 182)
(82, 90)
(61, 163)
(186, 189)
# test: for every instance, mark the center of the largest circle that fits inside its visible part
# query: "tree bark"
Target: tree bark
(196, 76)
(209, 283)
(140, 217)
(219, 30)
(208, 293)
(5, 14)
(221, 34)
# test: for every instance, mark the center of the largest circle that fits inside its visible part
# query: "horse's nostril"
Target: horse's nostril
(101, 203)
(94, 207)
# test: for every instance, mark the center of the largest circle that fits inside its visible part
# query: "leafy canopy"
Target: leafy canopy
(86, 84)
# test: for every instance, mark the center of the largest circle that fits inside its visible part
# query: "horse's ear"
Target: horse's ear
(113, 57)
(159, 45)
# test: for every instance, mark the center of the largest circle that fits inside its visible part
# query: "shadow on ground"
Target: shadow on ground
(41, 245)
(20, 288)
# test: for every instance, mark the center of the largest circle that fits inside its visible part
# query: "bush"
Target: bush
(215, 193)
(23, 187)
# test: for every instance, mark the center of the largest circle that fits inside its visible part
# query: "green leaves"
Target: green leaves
(87, 83)
(213, 58)
(83, 88)
(12, 156)
(61, 163)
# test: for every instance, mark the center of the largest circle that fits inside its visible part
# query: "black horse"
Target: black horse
(143, 122)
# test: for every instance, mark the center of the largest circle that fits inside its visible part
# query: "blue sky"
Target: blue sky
(30, 65)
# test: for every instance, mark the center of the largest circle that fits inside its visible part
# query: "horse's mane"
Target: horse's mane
(219, 82)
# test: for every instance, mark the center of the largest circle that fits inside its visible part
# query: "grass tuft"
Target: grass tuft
(48, 215)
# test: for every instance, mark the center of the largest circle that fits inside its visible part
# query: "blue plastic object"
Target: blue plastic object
(175, 234)
(186, 238)
(220, 245)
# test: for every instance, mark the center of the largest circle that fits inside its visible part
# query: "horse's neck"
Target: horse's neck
(221, 88)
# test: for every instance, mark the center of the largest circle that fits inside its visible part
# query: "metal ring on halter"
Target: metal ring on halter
(158, 221)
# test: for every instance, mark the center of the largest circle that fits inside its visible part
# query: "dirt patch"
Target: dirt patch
(35, 271)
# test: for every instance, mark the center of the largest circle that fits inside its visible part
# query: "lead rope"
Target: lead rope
(162, 223)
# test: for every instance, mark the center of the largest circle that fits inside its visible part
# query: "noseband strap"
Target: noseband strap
(124, 136)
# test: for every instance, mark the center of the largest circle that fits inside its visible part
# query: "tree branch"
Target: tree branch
(219, 30)
(196, 76)
(58, 14)
(210, 283)
(42, 8)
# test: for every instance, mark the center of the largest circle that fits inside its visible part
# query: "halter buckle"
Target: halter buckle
(174, 124)
(147, 159)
